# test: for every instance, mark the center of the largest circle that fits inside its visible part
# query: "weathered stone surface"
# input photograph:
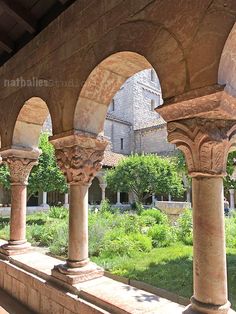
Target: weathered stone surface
(204, 142)
(80, 158)
(184, 51)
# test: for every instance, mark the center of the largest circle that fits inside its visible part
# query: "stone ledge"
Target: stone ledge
(149, 288)
(104, 294)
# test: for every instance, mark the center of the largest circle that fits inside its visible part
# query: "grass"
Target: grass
(169, 268)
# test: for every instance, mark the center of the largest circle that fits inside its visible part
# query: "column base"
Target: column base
(198, 307)
(74, 275)
(45, 206)
(15, 248)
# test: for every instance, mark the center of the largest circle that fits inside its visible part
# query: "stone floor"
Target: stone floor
(106, 293)
(10, 305)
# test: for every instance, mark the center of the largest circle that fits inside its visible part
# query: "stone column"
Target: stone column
(205, 144)
(169, 197)
(103, 188)
(66, 200)
(79, 157)
(188, 196)
(118, 198)
(153, 199)
(19, 172)
(232, 202)
(45, 205)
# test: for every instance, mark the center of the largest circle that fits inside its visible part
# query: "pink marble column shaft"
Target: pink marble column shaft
(18, 214)
(210, 276)
(78, 225)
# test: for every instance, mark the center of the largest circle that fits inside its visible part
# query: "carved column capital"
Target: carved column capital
(204, 142)
(81, 161)
(20, 168)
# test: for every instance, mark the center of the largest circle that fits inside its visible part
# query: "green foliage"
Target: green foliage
(138, 207)
(117, 242)
(230, 230)
(145, 175)
(180, 162)
(98, 227)
(58, 212)
(4, 176)
(59, 246)
(142, 242)
(105, 206)
(185, 227)
(160, 218)
(162, 235)
(228, 182)
(46, 176)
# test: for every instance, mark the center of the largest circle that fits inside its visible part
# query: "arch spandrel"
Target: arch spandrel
(101, 86)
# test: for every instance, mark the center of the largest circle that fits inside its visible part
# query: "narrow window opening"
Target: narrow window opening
(113, 105)
(153, 104)
(153, 75)
(121, 143)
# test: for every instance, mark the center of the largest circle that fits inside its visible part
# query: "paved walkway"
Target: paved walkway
(8, 305)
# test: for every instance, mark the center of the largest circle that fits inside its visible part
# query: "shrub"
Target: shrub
(105, 206)
(58, 212)
(34, 233)
(130, 223)
(59, 245)
(185, 227)
(97, 231)
(5, 232)
(230, 230)
(142, 242)
(160, 217)
(162, 235)
(146, 221)
(116, 242)
(138, 207)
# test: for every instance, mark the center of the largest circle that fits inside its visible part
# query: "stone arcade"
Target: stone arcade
(82, 58)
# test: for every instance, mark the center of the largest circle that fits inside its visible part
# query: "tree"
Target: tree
(4, 176)
(46, 176)
(230, 183)
(182, 169)
(145, 175)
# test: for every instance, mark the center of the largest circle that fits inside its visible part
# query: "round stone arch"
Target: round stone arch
(227, 73)
(227, 66)
(29, 123)
(101, 86)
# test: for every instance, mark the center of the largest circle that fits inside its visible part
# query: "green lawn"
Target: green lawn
(168, 268)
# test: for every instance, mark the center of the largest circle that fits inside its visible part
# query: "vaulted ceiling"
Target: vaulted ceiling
(21, 20)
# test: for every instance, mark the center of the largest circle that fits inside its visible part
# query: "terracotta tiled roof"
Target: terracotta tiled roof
(112, 159)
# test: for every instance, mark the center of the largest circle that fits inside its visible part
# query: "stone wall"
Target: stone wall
(134, 103)
(146, 96)
(39, 295)
(153, 140)
(172, 209)
(115, 130)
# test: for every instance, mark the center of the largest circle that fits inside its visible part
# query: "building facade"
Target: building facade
(132, 124)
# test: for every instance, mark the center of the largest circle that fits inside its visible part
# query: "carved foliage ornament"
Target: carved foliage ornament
(205, 144)
(20, 168)
(79, 164)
